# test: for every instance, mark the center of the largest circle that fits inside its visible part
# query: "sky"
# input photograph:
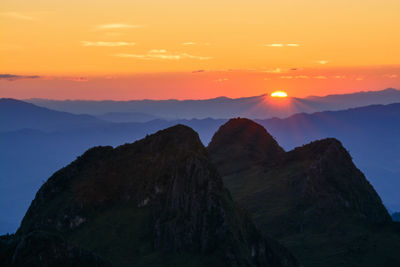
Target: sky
(158, 49)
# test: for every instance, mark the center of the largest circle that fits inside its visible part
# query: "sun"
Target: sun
(279, 94)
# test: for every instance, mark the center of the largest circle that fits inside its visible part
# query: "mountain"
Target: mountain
(370, 133)
(127, 117)
(156, 202)
(17, 115)
(45, 249)
(26, 156)
(256, 107)
(313, 198)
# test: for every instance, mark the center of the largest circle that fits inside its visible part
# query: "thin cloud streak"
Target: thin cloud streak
(13, 77)
(162, 54)
(282, 45)
(15, 15)
(113, 26)
(107, 44)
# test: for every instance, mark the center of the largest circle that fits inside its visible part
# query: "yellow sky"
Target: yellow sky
(66, 37)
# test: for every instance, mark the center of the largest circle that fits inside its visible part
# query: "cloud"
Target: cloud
(282, 45)
(157, 51)
(295, 77)
(390, 76)
(302, 77)
(320, 77)
(322, 62)
(107, 44)
(13, 77)
(189, 43)
(274, 45)
(162, 54)
(276, 70)
(221, 80)
(339, 76)
(198, 71)
(15, 15)
(113, 26)
(77, 79)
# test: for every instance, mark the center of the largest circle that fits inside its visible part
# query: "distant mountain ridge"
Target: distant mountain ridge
(256, 107)
(16, 115)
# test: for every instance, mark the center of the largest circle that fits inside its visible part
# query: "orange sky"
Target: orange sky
(124, 49)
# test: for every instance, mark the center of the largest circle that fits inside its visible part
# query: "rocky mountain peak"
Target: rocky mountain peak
(242, 141)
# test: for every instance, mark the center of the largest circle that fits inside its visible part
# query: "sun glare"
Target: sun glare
(279, 94)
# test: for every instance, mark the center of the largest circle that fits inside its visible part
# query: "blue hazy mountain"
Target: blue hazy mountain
(17, 115)
(257, 107)
(28, 155)
(127, 117)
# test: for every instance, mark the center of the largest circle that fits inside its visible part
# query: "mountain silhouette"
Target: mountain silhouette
(156, 202)
(312, 198)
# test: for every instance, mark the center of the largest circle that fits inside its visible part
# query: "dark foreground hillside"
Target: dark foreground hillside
(313, 199)
(157, 202)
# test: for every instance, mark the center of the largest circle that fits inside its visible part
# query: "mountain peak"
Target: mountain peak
(246, 140)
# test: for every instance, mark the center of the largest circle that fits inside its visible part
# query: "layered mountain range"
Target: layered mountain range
(255, 107)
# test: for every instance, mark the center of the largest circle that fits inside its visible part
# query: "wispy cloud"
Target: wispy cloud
(320, 77)
(198, 71)
(189, 43)
(76, 79)
(322, 62)
(274, 45)
(107, 44)
(162, 54)
(157, 51)
(16, 15)
(113, 26)
(276, 70)
(339, 77)
(282, 45)
(390, 76)
(13, 77)
(221, 80)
